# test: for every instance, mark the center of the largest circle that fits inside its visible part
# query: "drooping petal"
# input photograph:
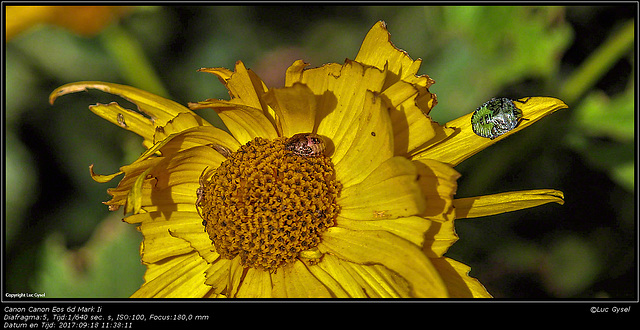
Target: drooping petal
(159, 109)
(473, 207)
(127, 119)
(464, 143)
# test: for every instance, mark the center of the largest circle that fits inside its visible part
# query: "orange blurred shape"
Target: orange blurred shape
(83, 20)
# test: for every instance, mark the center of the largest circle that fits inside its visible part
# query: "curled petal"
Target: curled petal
(159, 109)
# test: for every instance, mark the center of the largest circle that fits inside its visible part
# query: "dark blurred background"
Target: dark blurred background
(61, 241)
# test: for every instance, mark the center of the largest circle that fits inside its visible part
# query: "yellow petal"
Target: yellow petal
(295, 109)
(127, 119)
(481, 206)
(296, 281)
(333, 285)
(243, 84)
(244, 122)
(349, 116)
(337, 270)
(218, 275)
(368, 145)
(438, 185)
(159, 109)
(389, 192)
(377, 50)
(102, 178)
(395, 253)
(376, 282)
(159, 244)
(410, 228)
(464, 143)
(256, 284)
(195, 137)
(223, 74)
(439, 237)
(182, 122)
(457, 279)
(294, 73)
(412, 128)
(184, 280)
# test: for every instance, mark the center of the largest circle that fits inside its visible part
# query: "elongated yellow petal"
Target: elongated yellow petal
(223, 74)
(464, 143)
(481, 206)
(350, 113)
(127, 119)
(159, 109)
(410, 228)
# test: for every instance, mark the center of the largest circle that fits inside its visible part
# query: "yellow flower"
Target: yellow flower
(83, 20)
(336, 185)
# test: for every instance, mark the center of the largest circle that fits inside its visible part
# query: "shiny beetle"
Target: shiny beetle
(495, 117)
(305, 144)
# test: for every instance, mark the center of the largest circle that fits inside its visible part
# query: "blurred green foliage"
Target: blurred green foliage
(55, 237)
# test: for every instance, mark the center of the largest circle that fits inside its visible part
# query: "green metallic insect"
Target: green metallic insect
(495, 117)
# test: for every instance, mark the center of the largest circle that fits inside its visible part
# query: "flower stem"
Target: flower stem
(132, 62)
(598, 62)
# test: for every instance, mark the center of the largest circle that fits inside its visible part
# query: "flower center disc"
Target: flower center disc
(268, 204)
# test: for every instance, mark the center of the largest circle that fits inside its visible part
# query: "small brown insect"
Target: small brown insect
(306, 145)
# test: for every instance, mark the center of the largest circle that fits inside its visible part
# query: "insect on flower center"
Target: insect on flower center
(270, 200)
